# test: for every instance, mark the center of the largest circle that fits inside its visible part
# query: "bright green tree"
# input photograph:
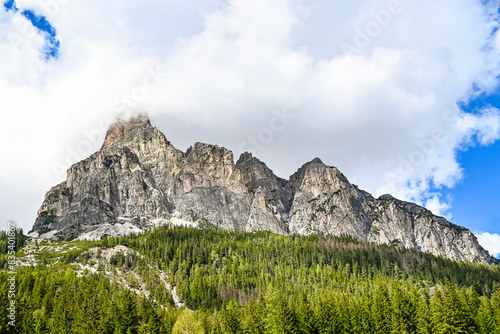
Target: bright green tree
(187, 324)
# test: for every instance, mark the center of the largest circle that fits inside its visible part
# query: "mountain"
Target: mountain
(138, 180)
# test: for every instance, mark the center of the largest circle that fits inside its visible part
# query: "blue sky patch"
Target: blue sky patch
(51, 50)
(44, 26)
(10, 5)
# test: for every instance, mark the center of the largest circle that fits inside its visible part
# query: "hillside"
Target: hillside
(239, 282)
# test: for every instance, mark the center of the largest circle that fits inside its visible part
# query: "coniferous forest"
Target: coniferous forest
(235, 282)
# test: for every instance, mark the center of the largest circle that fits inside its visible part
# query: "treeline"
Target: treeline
(237, 282)
(382, 306)
(18, 238)
(60, 302)
(266, 283)
(49, 301)
(254, 260)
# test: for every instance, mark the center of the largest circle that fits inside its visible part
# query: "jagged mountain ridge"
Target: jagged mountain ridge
(138, 179)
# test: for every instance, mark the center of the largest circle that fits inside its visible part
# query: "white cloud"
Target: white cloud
(438, 207)
(387, 115)
(490, 241)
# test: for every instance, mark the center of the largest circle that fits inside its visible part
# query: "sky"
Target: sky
(402, 96)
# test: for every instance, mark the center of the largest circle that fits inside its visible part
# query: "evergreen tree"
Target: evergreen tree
(381, 309)
(328, 318)
(308, 323)
(252, 321)
(62, 317)
(403, 311)
(229, 318)
(126, 315)
(280, 318)
(187, 324)
(41, 322)
(88, 317)
(485, 318)
(422, 316)
(495, 305)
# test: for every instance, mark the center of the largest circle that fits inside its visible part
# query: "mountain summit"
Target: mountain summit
(138, 180)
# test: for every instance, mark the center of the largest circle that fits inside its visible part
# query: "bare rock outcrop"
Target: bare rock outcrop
(138, 180)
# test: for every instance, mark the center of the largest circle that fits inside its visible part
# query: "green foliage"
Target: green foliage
(19, 240)
(50, 301)
(235, 282)
(375, 230)
(187, 324)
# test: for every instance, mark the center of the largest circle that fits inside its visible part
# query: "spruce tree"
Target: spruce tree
(381, 309)
(187, 324)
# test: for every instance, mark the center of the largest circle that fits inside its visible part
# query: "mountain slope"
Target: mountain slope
(138, 180)
(244, 282)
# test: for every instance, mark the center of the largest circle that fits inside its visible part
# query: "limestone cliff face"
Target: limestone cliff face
(138, 180)
(324, 201)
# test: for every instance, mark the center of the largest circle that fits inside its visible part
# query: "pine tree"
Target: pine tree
(63, 315)
(88, 318)
(155, 324)
(328, 316)
(403, 311)
(422, 316)
(253, 317)
(306, 317)
(495, 305)
(41, 322)
(290, 321)
(485, 318)
(437, 311)
(126, 320)
(187, 324)
(229, 318)
(381, 309)
(280, 318)
(449, 312)
(4, 302)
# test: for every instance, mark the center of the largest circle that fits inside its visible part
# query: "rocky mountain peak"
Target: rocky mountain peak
(312, 172)
(314, 164)
(386, 197)
(244, 157)
(121, 129)
(208, 157)
(139, 180)
(253, 169)
(315, 161)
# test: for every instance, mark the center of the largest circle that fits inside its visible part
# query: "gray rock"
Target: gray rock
(138, 177)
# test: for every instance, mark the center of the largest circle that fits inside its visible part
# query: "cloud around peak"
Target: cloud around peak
(373, 87)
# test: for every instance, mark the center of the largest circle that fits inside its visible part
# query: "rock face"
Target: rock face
(138, 180)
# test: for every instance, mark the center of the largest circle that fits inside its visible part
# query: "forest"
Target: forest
(237, 282)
